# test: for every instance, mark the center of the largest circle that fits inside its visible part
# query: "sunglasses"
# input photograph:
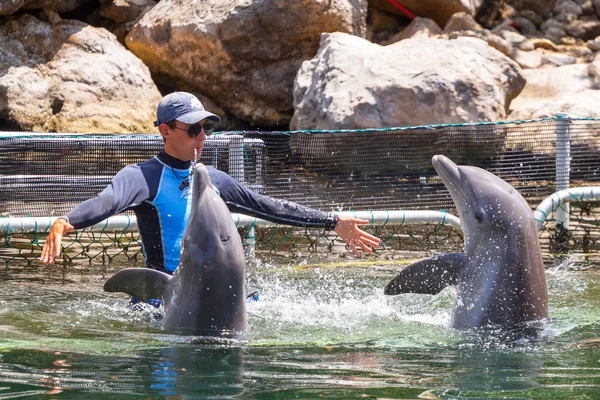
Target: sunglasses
(194, 130)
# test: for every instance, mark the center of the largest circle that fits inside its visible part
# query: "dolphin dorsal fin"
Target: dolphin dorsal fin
(428, 276)
(141, 283)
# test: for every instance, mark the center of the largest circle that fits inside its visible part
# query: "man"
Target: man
(157, 191)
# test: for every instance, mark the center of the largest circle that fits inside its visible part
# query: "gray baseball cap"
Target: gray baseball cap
(183, 107)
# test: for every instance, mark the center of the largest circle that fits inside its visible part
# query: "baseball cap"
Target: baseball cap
(183, 107)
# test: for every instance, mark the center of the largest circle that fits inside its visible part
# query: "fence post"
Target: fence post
(236, 170)
(563, 167)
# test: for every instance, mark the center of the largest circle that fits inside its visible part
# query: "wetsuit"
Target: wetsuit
(158, 192)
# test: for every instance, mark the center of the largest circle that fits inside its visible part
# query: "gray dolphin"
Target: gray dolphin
(500, 277)
(206, 292)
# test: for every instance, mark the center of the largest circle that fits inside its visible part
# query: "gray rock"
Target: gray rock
(586, 30)
(438, 10)
(539, 7)
(587, 7)
(525, 26)
(567, 7)
(596, 4)
(559, 59)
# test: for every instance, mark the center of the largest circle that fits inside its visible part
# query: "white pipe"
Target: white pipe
(125, 223)
(558, 200)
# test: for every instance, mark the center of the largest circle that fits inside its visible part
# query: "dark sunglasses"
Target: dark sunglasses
(194, 130)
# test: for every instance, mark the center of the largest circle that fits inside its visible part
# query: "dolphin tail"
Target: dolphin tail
(141, 283)
(428, 276)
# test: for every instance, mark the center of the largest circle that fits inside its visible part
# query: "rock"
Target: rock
(593, 71)
(527, 59)
(527, 46)
(382, 26)
(543, 44)
(515, 39)
(461, 21)
(568, 89)
(540, 7)
(50, 16)
(124, 11)
(596, 4)
(438, 10)
(594, 45)
(243, 55)
(418, 27)
(531, 16)
(554, 34)
(586, 30)
(525, 26)
(567, 7)
(352, 83)
(72, 77)
(587, 7)
(494, 41)
(559, 59)
(552, 86)
(60, 6)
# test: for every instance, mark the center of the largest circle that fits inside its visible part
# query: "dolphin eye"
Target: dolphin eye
(479, 217)
(224, 239)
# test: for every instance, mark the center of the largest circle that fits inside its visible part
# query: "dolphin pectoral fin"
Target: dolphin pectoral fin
(428, 276)
(142, 283)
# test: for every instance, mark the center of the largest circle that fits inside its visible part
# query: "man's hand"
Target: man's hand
(53, 243)
(348, 230)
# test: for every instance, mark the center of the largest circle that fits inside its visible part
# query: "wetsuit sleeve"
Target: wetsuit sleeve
(127, 189)
(242, 200)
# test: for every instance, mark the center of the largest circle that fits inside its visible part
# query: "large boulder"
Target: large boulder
(354, 84)
(11, 6)
(549, 91)
(569, 89)
(71, 77)
(438, 10)
(243, 55)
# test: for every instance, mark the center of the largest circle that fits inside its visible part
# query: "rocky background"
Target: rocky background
(95, 66)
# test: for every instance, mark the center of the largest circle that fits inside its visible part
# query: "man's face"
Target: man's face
(183, 139)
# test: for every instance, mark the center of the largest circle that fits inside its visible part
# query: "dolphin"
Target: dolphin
(500, 277)
(206, 292)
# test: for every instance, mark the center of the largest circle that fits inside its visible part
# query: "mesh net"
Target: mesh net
(379, 169)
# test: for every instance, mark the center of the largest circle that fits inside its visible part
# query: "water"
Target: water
(314, 333)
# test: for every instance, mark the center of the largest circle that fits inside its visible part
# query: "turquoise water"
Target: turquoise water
(326, 332)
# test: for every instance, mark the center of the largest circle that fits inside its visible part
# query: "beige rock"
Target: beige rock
(527, 59)
(461, 21)
(418, 27)
(242, 54)
(71, 77)
(539, 43)
(352, 83)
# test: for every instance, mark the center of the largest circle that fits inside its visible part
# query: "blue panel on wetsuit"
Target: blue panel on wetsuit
(173, 205)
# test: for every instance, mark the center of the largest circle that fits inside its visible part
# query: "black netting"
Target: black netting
(387, 169)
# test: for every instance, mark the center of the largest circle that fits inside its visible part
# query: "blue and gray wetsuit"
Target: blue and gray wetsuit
(155, 190)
